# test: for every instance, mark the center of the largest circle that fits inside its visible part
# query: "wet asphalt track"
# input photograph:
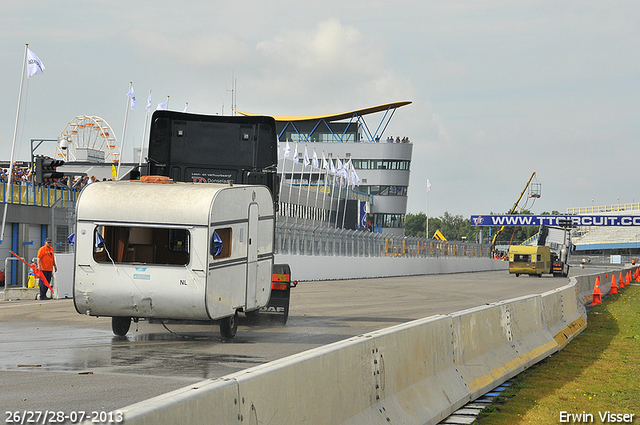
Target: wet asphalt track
(52, 358)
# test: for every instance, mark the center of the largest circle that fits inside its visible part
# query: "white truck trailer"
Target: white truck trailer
(169, 250)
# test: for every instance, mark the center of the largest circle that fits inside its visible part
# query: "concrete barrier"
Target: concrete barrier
(329, 268)
(585, 284)
(414, 373)
(563, 314)
(496, 342)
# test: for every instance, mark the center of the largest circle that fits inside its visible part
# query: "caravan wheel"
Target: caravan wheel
(120, 325)
(229, 326)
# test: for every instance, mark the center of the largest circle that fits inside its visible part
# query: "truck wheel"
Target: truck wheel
(229, 326)
(120, 325)
(517, 274)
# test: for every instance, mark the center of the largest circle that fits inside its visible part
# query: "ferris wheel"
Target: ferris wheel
(87, 138)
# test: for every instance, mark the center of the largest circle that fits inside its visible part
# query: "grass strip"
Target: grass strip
(596, 373)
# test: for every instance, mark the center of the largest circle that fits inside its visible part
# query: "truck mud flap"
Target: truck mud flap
(278, 307)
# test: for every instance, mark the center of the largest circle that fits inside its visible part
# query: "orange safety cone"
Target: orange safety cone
(621, 282)
(597, 295)
(628, 279)
(614, 285)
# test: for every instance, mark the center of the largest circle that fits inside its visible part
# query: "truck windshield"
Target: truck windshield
(147, 245)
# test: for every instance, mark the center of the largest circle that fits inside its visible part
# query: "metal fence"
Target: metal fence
(603, 259)
(63, 224)
(292, 239)
(42, 196)
(600, 209)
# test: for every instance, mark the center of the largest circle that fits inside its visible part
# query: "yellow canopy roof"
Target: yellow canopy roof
(335, 117)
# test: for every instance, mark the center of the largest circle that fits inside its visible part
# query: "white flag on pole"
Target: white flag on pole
(162, 106)
(295, 155)
(428, 185)
(306, 157)
(333, 168)
(148, 108)
(325, 164)
(186, 105)
(355, 179)
(287, 150)
(315, 159)
(34, 64)
(132, 96)
(343, 169)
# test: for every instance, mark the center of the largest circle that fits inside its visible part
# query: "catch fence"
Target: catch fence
(292, 239)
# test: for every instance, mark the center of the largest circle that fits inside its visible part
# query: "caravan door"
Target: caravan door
(252, 258)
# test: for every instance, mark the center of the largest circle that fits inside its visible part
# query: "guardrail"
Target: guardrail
(415, 373)
(42, 196)
(8, 276)
(604, 208)
(292, 239)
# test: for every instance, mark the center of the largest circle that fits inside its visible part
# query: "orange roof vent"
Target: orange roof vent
(154, 179)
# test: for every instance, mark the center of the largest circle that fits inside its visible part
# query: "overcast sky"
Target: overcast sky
(500, 89)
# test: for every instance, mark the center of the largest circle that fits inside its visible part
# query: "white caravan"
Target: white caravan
(173, 251)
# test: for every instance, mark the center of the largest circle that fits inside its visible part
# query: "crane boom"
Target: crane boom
(512, 210)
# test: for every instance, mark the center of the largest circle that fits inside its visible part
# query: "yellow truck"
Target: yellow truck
(528, 259)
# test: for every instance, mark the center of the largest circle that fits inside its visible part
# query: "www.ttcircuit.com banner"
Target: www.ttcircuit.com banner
(552, 220)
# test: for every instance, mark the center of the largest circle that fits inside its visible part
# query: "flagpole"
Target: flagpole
(293, 161)
(282, 176)
(346, 197)
(427, 226)
(324, 192)
(146, 123)
(124, 129)
(315, 156)
(290, 188)
(13, 145)
(306, 206)
(333, 189)
(306, 158)
(336, 180)
(285, 154)
(344, 213)
(339, 195)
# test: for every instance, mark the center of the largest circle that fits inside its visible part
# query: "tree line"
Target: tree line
(458, 228)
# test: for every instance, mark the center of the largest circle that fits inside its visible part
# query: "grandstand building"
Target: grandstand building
(602, 242)
(371, 194)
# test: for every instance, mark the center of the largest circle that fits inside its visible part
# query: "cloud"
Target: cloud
(443, 133)
(327, 65)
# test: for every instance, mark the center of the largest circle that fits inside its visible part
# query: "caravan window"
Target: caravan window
(221, 243)
(147, 245)
(521, 258)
